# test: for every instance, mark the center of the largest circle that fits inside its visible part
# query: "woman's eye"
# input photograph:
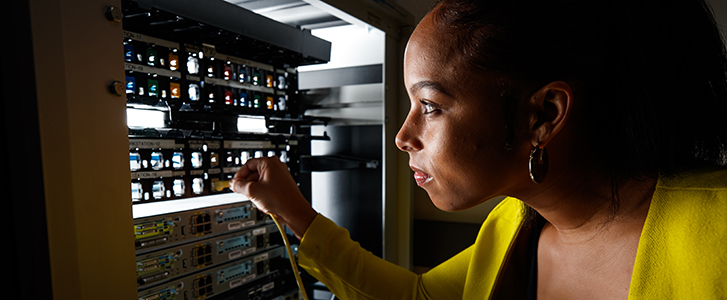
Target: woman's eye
(429, 108)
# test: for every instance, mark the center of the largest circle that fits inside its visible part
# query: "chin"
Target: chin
(448, 206)
(455, 203)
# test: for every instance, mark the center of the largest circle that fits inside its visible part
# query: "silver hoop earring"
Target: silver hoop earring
(538, 163)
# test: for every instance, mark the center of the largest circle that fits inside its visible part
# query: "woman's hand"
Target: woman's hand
(269, 185)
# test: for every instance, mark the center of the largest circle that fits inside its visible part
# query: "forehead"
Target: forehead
(432, 61)
(429, 48)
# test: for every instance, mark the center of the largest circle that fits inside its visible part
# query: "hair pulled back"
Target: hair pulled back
(652, 72)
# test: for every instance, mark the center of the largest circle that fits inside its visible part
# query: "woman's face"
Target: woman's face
(455, 131)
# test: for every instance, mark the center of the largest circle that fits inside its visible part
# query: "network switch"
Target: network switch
(166, 230)
(219, 279)
(162, 265)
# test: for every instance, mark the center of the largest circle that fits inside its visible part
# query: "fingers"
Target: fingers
(249, 173)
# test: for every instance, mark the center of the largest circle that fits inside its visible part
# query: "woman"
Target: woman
(605, 122)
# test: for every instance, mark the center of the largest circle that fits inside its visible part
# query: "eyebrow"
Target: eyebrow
(428, 85)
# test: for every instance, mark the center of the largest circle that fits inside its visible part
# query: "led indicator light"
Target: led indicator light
(227, 72)
(175, 90)
(192, 65)
(130, 85)
(214, 159)
(151, 57)
(243, 100)
(229, 97)
(269, 102)
(256, 78)
(242, 77)
(128, 52)
(193, 92)
(173, 61)
(269, 80)
(153, 87)
(256, 101)
(281, 82)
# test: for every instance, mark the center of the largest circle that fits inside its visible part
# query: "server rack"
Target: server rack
(205, 68)
(84, 140)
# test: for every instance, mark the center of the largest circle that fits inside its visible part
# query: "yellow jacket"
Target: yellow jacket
(682, 252)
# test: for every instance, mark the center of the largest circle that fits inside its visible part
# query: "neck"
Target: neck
(581, 205)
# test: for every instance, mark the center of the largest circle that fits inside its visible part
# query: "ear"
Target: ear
(550, 107)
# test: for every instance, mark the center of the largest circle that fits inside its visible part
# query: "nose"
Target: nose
(407, 139)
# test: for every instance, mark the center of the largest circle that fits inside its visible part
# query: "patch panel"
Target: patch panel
(168, 263)
(153, 232)
(215, 77)
(212, 281)
(186, 164)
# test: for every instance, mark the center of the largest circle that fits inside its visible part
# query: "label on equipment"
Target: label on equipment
(150, 174)
(234, 225)
(234, 254)
(259, 231)
(151, 143)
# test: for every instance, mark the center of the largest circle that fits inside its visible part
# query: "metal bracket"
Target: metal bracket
(334, 163)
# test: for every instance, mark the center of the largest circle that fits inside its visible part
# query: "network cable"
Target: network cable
(293, 263)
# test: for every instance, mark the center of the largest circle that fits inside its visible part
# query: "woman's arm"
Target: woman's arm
(351, 272)
(328, 253)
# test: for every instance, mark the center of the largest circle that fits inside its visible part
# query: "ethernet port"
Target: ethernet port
(178, 187)
(157, 161)
(134, 161)
(178, 160)
(158, 189)
(197, 186)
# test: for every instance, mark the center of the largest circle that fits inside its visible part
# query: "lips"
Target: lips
(421, 177)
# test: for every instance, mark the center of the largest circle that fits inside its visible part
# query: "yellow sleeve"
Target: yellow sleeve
(350, 272)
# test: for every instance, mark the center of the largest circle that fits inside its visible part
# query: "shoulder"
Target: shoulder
(709, 179)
